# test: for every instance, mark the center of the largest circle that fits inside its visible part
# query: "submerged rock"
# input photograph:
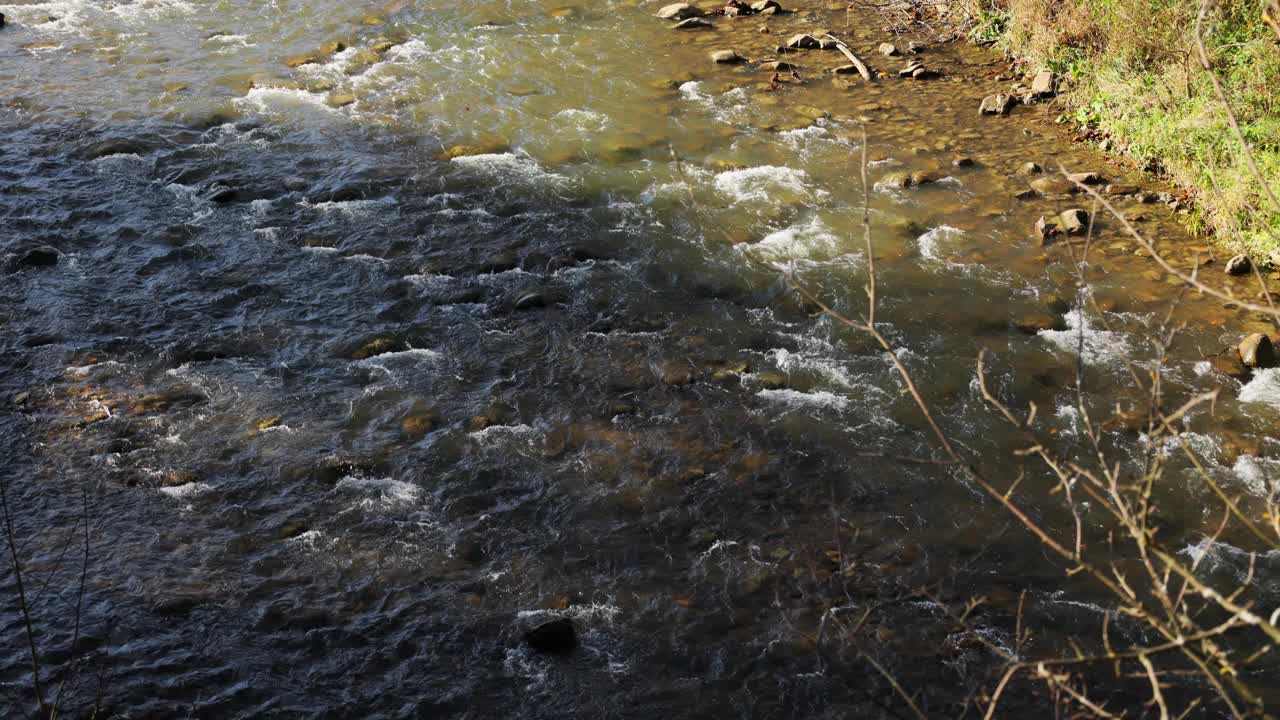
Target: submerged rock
(1029, 168)
(377, 346)
(693, 23)
(725, 57)
(777, 66)
(1256, 351)
(36, 257)
(555, 636)
(1053, 185)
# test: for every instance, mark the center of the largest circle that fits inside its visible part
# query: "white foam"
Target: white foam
(380, 492)
(285, 101)
(350, 208)
(507, 167)
(1263, 387)
(186, 490)
(938, 243)
(795, 398)
(810, 240)
(1100, 345)
(764, 183)
(1256, 474)
(790, 362)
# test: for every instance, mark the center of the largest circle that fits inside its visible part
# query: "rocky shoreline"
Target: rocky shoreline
(801, 59)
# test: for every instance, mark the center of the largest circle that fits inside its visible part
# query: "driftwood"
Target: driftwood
(862, 67)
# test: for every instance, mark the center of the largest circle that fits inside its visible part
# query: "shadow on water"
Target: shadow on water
(352, 417)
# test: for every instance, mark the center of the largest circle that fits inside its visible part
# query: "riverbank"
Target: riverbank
(1132, 81)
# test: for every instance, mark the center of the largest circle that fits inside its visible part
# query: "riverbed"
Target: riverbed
(369, 335)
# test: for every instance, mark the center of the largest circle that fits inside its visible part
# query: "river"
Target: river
(379, 332)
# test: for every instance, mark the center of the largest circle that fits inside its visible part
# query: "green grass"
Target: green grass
(1135, 75)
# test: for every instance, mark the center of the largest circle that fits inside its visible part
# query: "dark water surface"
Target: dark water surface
(349, 406)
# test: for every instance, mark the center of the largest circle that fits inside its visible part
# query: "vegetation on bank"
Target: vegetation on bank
(1133, 68)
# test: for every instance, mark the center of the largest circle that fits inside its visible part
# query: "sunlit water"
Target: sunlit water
(363, 365)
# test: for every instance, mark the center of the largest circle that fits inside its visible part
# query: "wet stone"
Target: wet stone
(1239, 265)
(888, 49)
(1029, 168)
(725, 57)
(1053, 185)
(1074, 221)
(555, 636)
(998, 104)
(679, 11)
(1256, 351)
(693, 23)
(802, 41)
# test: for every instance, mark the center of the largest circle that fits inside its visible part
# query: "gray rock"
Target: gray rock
(802, 42)
(922, 73)
(1053, 185)
(915, 46)
(763, 5)
(846, 70)
(1256, 351)
(725, 57)
(1029, 168)
(1074, 221)
(1239, 265)
(998, 104)
(693, 23)
(1043, 84)
(888, 49)
(679, 11)
(777, 66)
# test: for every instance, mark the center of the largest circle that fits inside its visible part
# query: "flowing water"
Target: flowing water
(380, 332)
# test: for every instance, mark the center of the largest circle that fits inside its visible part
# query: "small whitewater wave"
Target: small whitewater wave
(765, 183)
(797, 399)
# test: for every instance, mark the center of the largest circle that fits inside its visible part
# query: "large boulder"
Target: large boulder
(1256, 351)
(679, 11)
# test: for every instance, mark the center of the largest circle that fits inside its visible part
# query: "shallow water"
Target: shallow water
(362, 366)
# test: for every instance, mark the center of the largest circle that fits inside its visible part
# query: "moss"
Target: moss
(1134, 75)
